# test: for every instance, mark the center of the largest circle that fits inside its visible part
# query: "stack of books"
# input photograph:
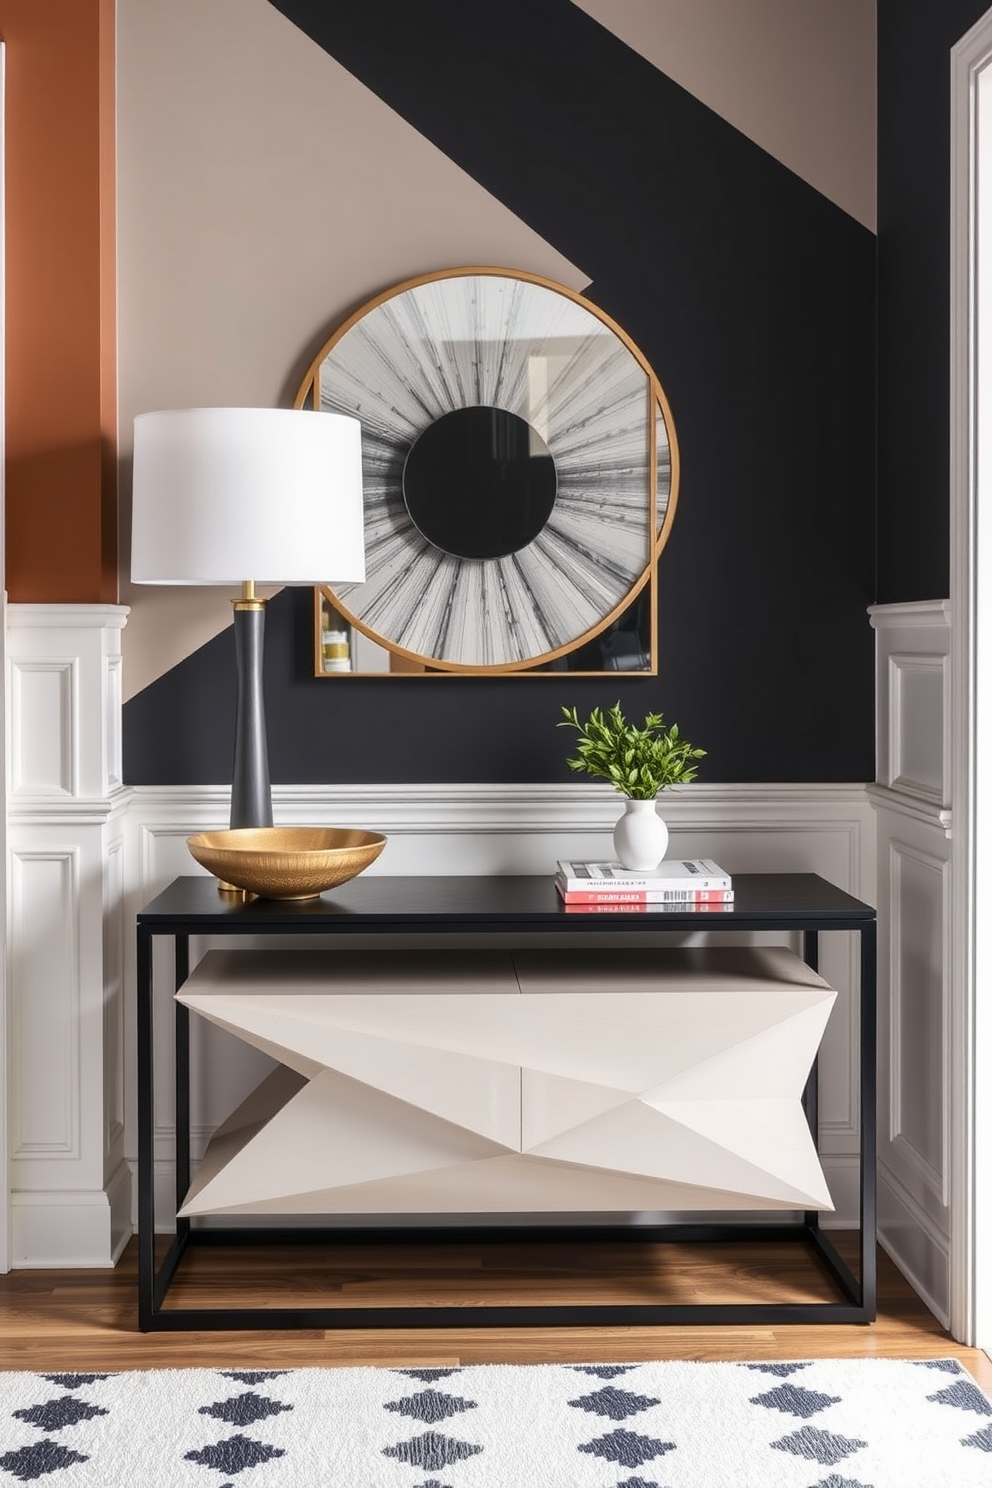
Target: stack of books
(676, 883)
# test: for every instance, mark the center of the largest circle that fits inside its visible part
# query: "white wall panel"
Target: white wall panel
(918, 684)
(44, 990)
(113, 987)
(912, 713)
(113, 769)
(917, 1124)
(912, 801)
(42, 747)
(66, 937)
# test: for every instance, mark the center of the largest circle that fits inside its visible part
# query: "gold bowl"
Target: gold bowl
(286, 862)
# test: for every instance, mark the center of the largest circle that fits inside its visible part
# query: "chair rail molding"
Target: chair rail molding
(491, 829)
(70, 1184)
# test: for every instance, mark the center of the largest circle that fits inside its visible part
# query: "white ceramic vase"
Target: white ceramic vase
(640, 837)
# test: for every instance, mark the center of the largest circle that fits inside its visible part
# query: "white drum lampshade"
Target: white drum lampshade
(247, 496)
(222, 495)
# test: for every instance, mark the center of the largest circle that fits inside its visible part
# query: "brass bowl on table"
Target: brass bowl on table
(286, 862)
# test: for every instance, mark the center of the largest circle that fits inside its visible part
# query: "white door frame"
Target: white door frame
(969, 1058)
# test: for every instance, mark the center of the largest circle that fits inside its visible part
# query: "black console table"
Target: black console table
(505, 905)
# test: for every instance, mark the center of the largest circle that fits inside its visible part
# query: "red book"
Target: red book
(634, 906)
(646, 896)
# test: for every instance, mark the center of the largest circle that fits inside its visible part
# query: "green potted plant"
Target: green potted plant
(638, 762)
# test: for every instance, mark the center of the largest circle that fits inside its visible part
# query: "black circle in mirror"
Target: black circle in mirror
(479, 483)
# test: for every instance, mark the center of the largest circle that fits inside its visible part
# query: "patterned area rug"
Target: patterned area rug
(871, 1423)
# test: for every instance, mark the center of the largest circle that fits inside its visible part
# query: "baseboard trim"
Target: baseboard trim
(913, 1243)
(85, 1229)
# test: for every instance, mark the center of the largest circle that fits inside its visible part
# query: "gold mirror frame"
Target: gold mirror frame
(509, 339)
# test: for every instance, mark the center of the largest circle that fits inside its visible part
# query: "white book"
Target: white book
(671, 873)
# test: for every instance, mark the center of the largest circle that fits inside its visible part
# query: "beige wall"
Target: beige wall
(263, 193)
(795, 76)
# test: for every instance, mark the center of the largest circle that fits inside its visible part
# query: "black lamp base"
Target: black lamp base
(251, 791)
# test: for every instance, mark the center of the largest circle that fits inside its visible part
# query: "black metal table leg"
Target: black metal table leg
(811, 1094)
(182, 1087)
(802, 903)
(146, 1155)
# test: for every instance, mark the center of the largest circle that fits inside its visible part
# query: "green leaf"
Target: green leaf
(637, 760)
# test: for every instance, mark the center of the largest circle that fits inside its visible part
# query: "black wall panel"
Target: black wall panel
(753, 297)
(914, 43)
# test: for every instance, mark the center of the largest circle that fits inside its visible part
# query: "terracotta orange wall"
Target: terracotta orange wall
(61, 374)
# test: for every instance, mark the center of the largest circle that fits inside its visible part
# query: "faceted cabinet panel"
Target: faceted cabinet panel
(528, 1082)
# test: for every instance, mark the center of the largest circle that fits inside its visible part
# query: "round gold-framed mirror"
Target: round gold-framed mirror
(520, 470)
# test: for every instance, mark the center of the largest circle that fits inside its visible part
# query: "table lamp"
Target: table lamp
(247, 496)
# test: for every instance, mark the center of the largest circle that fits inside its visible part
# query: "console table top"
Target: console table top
(525, 901)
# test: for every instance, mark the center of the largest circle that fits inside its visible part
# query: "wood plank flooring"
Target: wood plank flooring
(87, 1319)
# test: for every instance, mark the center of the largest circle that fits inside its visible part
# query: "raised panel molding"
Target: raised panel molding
(65, 739)
(115, 954)
(917, 687)
(44, 993)
(43, 746)
(913, 706)
(481, 829)
(914, 810)
(66, 937)
(917, 1015)
(113, 769)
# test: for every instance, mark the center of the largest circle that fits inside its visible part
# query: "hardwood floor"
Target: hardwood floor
(85, 1319)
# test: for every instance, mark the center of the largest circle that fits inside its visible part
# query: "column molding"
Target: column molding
(66, 940)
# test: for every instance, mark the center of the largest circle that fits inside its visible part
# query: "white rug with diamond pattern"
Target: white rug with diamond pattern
(827, 1423)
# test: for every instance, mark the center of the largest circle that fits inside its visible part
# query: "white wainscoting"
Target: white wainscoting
(70, 1183)
(912, 802)
(515, 829)
(84, 853)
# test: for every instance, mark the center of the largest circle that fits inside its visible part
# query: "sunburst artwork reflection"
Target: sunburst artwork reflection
(491, 339)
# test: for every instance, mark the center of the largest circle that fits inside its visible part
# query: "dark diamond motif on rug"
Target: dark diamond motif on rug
(981, 1439)
(432, 1451)
(252, 1376)
(638, 1483)
(835, 1482)
(73, 1381)
(234, 1455)
(604, 1371)
(627, 1448)
(818, 1446)
(949, 1366)
(617, 1404)
(30, 1463)
(428, 1375)
(55, 1414)
(244, 1410)
(431, 1406)
(781, 1370)
(433, 1483)
(965, 1396)
(795, 1402)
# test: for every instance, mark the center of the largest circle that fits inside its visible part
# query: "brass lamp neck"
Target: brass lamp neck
(248, 600)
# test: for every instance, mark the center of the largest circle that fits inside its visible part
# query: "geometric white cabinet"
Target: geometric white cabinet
(515, 1082)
